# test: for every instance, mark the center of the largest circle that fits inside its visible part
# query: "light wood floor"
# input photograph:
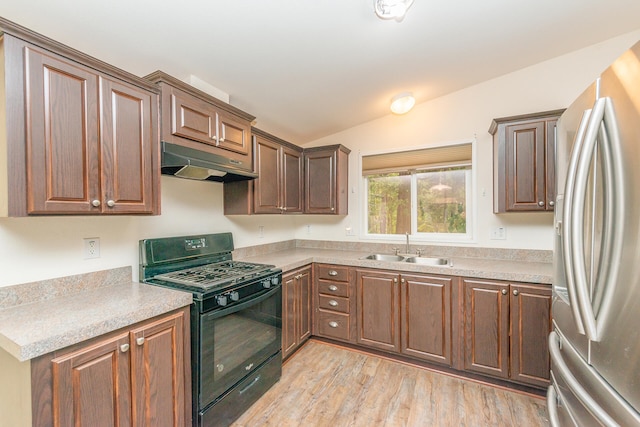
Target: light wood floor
(324, 385)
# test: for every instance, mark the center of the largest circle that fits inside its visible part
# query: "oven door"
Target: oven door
(236, 340)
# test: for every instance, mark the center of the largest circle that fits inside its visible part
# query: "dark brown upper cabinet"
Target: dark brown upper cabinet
(195, 119)
(80, 136)
(326, 177)
(279, 186)
(524, 162)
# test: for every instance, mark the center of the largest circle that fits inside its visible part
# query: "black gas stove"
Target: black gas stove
(236, 320)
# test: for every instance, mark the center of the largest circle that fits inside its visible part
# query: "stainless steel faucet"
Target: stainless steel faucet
(407, 251)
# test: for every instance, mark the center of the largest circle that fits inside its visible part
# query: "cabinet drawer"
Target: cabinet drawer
(333, 288)
(333, 325)
(332, 272)
(334, 303)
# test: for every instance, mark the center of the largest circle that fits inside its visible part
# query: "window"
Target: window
(423, 192)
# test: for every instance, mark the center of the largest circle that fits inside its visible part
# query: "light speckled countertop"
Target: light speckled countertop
(510, 270)
(77, 308)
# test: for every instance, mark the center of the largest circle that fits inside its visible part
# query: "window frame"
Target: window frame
(471, 201)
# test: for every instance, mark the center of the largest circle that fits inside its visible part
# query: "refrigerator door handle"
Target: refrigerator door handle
(601, 123)
(552, 406)
(563, 370)
(569, 265)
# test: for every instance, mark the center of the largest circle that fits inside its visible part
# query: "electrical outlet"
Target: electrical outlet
(261, 231)
(308, 229)
(349, 231)
(498, 233)
(91, 247)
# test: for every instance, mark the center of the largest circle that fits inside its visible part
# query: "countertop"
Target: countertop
(509, 270)
(76, 309)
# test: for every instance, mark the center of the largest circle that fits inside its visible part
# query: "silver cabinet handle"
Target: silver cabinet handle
(540, 203)
(248, 367)
(333, 288)
(333, 324)
(297, 276)
(124, 348)
(504, 292)
(140, 340)
(333, 273)
(95, 203)
(111, 203)
(333, 303)
(552, 203)
(516, 292)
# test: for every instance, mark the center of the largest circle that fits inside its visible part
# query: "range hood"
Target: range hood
(185, 162)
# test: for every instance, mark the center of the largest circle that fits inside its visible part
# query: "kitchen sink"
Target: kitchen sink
(385, 257)
(427, 260)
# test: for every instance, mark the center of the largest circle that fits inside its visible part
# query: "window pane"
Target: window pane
(389, 201)
(442, 201)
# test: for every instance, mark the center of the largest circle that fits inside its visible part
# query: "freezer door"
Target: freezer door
(616, 352)
(579, 394)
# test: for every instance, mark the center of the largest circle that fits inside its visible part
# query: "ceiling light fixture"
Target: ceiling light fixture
(391, 9)
(402, 103)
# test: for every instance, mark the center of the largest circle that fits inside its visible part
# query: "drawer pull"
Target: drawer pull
(333, 303)
(333, 324)
(333, 288)
(333, 273)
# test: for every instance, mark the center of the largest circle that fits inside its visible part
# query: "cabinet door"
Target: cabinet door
(62, 135)
(233, 134)
(304, 286)
(289, 313)
(157, 372)
(486, 327)
(192, 118)
(530, 327)
(378, 308)
(426, 317)
(291, 180)
(267, 185)
(127, 133)
(320, 182)
(550, 164)
(525, 166)
(91, 386)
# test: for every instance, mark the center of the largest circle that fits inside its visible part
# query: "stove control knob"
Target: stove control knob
(275, 280)
(221, 300)
(234, 296)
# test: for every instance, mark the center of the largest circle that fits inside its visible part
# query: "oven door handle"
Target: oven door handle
(248, 303)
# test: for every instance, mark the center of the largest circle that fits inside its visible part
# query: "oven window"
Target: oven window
(235, 342)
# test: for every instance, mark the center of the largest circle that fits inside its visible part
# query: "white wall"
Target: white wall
(40, 248)
(466, 115)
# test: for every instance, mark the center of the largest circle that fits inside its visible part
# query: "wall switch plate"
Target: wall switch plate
(91, 247)
(261, 231)
(308, 229)
(498, 233)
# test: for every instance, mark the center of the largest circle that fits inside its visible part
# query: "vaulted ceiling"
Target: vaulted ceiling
(310, 68)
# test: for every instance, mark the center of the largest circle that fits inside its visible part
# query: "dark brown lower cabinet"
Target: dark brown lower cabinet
(426, 317)
(137, 377)
(506, 326)
(378, 309)
(405, 313)
(296, 309)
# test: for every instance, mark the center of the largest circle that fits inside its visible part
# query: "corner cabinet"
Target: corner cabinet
(326, 175)
(524, 162)
(296, 309)
(139, 376)
(197, 120)
(279, 186)
(506, 326)
(81, 137)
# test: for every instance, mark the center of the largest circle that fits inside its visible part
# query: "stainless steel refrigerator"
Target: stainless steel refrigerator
(595, 344)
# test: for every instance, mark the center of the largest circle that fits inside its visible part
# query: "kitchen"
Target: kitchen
(190, 207)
